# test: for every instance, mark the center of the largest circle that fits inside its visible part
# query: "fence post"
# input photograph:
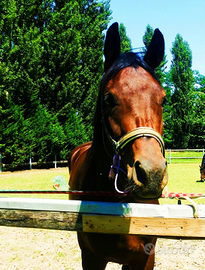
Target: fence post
(0, 163)
(170, 156)
(30, 162)
(55, 162)
(203, 151)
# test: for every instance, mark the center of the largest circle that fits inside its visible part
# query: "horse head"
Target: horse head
(202, 172)
(131, 101)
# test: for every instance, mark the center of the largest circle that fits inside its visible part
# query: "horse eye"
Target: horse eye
(110, 101)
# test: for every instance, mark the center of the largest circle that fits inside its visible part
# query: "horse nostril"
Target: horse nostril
(140, 172)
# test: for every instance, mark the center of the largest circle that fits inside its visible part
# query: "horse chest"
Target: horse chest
(116, 248)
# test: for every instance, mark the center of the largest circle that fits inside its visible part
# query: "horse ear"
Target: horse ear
(155, 52)
(112, 46)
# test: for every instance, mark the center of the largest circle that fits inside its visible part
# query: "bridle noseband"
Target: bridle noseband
(136, 134)
(133, 135)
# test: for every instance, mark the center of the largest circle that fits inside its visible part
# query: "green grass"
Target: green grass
(182, 178)
(32, 180)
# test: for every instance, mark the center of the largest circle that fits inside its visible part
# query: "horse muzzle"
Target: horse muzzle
(148, 175)
(147, 183)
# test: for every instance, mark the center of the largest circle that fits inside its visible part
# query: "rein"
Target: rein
(116, 165)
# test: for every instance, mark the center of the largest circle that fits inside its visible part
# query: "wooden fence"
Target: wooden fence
(165, 221)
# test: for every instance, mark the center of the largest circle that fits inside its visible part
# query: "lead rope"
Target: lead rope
(116, 165)
(195, 206)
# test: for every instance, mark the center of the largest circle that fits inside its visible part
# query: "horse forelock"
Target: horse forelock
(129, 59)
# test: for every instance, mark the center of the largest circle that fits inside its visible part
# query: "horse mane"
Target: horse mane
(129, 59)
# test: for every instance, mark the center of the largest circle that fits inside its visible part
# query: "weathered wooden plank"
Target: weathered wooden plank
(160, 227)
(41, 219)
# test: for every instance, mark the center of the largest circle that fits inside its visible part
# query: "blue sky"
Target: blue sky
(186, 17)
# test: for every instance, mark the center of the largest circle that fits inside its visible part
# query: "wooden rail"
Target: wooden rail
(165, 221)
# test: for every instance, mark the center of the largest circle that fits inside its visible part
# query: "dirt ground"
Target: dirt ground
(36, 249)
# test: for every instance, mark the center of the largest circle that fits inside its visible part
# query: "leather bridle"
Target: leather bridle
(133, 135)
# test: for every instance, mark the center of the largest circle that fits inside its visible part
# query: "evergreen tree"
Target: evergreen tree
(125, 44)
(183, 86)
(12, 144)
(197, 138)
(149, 32)
(21, 51)
(73, 56)
(75, 130)
(51, 62)
(167, 112)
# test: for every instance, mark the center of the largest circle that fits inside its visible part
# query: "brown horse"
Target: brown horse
(128, 127)
(202, 169)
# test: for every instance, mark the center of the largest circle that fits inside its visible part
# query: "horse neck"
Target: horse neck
(100, 164)
(101, 153)
(101, 157)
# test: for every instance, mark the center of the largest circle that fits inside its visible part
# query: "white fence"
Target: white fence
(169, 156)
(31, 164)
(168, 152)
